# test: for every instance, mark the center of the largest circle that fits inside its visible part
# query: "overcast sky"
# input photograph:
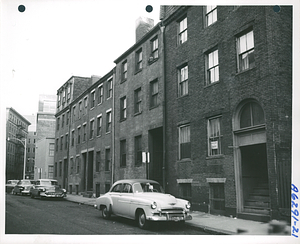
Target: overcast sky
(52, 40)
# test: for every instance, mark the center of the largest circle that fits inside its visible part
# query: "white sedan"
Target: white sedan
(142, 200)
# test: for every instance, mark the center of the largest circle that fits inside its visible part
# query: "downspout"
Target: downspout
(162, 28)
(113, 128)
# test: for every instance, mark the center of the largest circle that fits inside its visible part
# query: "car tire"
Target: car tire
(143, 223)
(105, 213)
(31, 195)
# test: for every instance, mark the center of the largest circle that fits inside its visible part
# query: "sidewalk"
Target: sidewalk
(213, 224)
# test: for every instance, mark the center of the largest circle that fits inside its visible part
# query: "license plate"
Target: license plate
(176, 218)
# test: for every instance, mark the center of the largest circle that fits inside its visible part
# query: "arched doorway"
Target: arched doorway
(250, 160)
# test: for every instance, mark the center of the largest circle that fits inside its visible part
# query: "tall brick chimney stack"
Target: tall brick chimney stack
(142, 26)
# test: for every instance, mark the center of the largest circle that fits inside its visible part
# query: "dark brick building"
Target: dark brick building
(139, 94)
(229, 108)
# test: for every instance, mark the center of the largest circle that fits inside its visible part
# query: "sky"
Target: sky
(52, 40)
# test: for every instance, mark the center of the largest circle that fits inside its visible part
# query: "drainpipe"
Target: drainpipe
(113, 128)
(162, 28)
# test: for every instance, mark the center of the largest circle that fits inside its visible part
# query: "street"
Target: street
(24, 215)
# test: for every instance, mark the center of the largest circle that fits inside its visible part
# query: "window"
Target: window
(184, 142)
(66, 141)
(58, 100)
(72, 138)
(80, 109)
(123, 153)
(138, 150)
(77, 165)
(183, 81)
(100, 94)
(245, 50)
(212, 67)
(108, 121)
(55, 169)
(109, 88)
(153, 93)
(251, 115)
(139, 60)
(67, 118)
(71, 166)
(214, 136)
(182, 36)
(84, 133)
(98, 161)
(138, 100)
(57, 125)
(85, 102)
(62, 121)
(56, 144)
(61, 142)
(123, 108)
(99, 125)
(69, 92)
(50, 172)
(124, 71)
(107, 159)
(51, 149)
(217, 196)
(93, 98)
(74, 112)
(211, 14)
(154, 49)
(185, 190)
(28, 149)
(92, 128)
(78, 135)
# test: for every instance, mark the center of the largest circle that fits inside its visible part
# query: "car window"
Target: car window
(151, 187)
(137, 188)
(54, 183)
(117, 188)
(45, 182)
(127, 188)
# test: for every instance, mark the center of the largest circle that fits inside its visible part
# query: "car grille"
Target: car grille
(53, 193)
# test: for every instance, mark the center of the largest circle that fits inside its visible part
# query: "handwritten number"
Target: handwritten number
(295, 229)
(295, 212)
(294, 196)
(294, 204)
(295, 218)
(294, 188)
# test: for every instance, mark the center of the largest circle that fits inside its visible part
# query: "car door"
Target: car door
(116, 194)
(125, 200)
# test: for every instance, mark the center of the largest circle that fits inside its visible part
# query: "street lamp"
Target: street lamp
(24, 145)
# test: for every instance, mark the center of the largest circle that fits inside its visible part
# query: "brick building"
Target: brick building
(82, 162)
(16, 143)
(229, 108)
(139, 95)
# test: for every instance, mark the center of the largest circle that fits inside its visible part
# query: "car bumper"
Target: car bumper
(169, 217)
(52, 195)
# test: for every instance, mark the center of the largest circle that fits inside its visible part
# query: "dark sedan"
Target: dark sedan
(23, 187)
(47, 188)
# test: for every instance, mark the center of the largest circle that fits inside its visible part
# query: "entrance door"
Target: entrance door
(254, 167)
(90, 171)
(84, 171)
(65, 174)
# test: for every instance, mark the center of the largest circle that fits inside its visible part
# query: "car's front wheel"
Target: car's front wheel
(143, 223)
(105, 213)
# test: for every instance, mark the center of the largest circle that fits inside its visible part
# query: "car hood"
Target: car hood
(160, 198)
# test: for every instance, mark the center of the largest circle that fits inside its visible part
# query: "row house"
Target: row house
(202, 103)
(229, 108)
(82, 162)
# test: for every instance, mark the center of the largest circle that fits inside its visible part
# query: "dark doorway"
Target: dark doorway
(156, 154)
(90, 171)
(254, 167)
(65, 174)
(84, 171)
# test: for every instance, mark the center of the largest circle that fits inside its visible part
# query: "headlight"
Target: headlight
(188, 205)
(153, 205)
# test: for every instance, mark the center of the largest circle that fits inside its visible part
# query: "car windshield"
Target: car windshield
(24, 182)
(147, 187)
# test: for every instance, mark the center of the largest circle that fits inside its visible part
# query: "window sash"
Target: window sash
(100, 94)
(214, 136)
(154, 94)
(183, 81)
(184, 142)
(92, 124)
(138, 100)
(123, 108)
(139, 60)
(99, 125)
(124, 71)
(211, 14)
(183, 31)
(155, 48)
(246, 51)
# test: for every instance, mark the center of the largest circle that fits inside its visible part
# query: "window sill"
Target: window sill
(138, 71)
(184, 160)
(215, 156)
(124, 80)
(185, 95)
(153, 107)
(244, 71)
(121, 120)
(138, 113)
(152, 61)
(92, 108)
(212, 84)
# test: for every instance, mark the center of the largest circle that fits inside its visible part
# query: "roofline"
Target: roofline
(15, 111)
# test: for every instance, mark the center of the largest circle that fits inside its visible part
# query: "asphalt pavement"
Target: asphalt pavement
(212, 224)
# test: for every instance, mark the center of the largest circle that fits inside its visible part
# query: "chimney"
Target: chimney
(95, 78)
(142, 26)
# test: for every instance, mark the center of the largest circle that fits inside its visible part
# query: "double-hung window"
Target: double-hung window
(214, 136)
(183, 85)
(93, 98)
(138, 150)
(211, 14)
(138, 100)
(245, 51)
(184, 142)
(124, 70)
(92, 128)
(153, 93)
(123, 108)
(212, 67)
(108, 121)
(100, 94)
(182, 35)
(84, 132)
(73, 137)
(139, 60)
(109, 88)
(99, 125)
(154, 49)
(78, 134)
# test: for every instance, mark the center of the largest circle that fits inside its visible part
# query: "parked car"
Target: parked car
(23, 187)
(144, 201)
(10, 185)
(47, 188)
